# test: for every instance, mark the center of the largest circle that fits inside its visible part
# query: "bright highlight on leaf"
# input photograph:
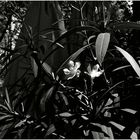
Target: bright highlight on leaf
(101, 46)
(130, 59)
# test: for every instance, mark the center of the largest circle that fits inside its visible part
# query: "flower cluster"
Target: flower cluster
(73, 70)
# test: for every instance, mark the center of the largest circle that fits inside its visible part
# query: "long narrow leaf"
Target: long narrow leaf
(101, 46)
(50, 130)
(46, 98)
(122, 67)
(73, 56)
(65, 114)
(34, 67)
(129, 110)
(75, 29)
(3, 107)
(130, 59)
(7, 101)
(47, 68)
(127, 25)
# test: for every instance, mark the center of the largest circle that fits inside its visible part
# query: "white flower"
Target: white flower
(95, 72)
(72, 71)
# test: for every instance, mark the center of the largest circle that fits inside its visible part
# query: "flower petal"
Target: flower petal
(71, 63)
(77, 65)
(89, 68)
(66, 71)
(78, 73)
(96, 67)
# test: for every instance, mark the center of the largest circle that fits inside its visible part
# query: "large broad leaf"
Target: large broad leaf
(101, 46)
(130, 59)
(127, 25)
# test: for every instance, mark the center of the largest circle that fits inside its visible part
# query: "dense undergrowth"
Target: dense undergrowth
(92, 94)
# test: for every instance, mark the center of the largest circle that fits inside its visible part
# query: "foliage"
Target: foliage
(89, 96)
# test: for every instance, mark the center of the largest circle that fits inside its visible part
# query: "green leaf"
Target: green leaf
(7, 96)
(5, 129)
(65, 114)
(20, 123)
(119, 126)
(34, 66)
(129, 110)
(64, 98)
(4, 107)
(101, 46)
(3, 118)
(130, 59)
(50, 130)
(127, 25)
(100, 131)
(134, 136)
(7, 101)
(46, 97)
(47, 68)
(122, 67)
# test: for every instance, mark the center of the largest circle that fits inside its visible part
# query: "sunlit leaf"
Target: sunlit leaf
(122, 67)
(65, 114)
(21, 123)
(84, 117)
(101, 46)
(47, 68)
(106, 132)
(134, 136)
(3, 118)
(119, 126)
(100, 131)
(129, 110)
(7, 101)
(7, 96)
(50, 130)
(130, 59)
(4, 107)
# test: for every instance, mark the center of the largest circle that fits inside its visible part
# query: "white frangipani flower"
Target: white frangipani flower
(73, 70)
(95, 71)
